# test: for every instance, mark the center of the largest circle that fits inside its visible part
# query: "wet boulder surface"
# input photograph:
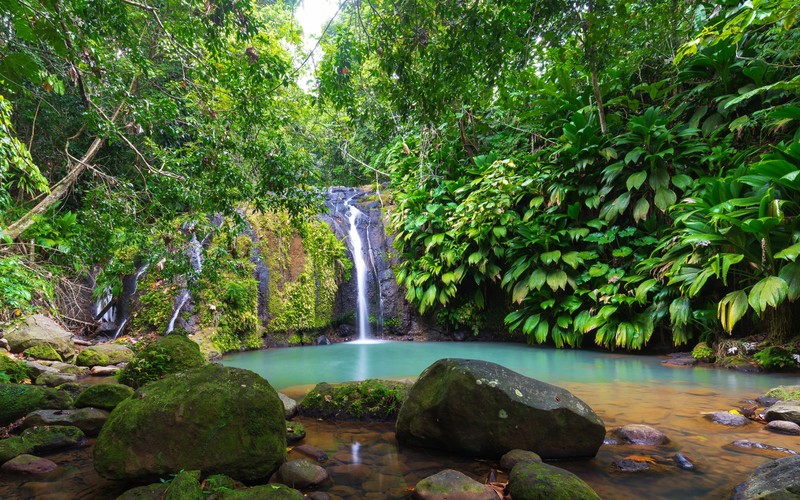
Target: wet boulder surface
(214, 419)
(481, 409)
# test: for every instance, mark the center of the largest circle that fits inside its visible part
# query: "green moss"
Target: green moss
(43, 351)
(368, 400)
(53, 437)
(303, 285)
(219, 482)
(155, 304)
(170, 354)
(266, 492)
(12, 370)
(775, 358)
(185, 486)
(18, 400)
(703, 352)
(88, 357)
(295, 431)
(785, 393)
(13, 447)
(540, 480)
(103, 396)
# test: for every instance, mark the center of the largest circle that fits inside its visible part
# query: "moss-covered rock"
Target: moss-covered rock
(185, 486)
(301, 474)
(103, 396)
(170, 354)
(263, 492)
(482, 409)
(295, 431)
(777, 479)
(42, 351)
(215, 419)
(18, 400)
(154, 491)
(540, 481)
(217, 482)
(88, 420)
(373, 400)
(13, 447)
(70, 388)
(39, 439)
(703, 352)
(56, 379)
(40, 330)
(14, 371)
(452, 484)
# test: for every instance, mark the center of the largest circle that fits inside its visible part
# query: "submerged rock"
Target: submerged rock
(784, 427)
(301, 474)
(755, 445)
(28, 464)
(17, 400)
(451, 484)
(630, 465)
(215, 419)
(728, 418)
(372, 400)
(777, 479)
(683, 462)
(640, 434)
(540, 481)
(482, 409)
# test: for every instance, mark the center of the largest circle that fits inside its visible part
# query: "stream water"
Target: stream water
(367, 462)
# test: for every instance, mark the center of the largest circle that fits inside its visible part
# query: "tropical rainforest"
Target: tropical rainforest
(579, 172)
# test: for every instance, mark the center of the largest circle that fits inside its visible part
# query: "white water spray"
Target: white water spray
(362, 311)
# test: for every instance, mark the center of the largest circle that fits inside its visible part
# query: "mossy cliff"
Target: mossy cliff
(278, 275)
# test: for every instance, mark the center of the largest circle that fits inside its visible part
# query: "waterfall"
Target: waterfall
(195, 253)
(362, 313)
(129, 285)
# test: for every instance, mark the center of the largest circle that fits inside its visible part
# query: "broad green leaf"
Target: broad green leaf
(557, 280)
(665, 198)
(551, 257)
(679, 311)
(731, 309)
(643, 288)
(537, 279)
(530, 324)
(520, 292)
(636, 180)
(572, 259)
(475, 257)
(769, 292)
(541, 331)
(699, 281)
(790, 273)
(789, 253)
(681, 181)
(659, 179)
(641, 209)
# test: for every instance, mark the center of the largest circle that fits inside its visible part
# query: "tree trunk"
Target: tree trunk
(599, 99)
(59, 190)
(778, 322)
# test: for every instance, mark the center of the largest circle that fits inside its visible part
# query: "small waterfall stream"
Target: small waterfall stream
(362, 312)
(195, 254)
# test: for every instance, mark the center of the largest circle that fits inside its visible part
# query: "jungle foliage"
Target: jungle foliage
(600, 169)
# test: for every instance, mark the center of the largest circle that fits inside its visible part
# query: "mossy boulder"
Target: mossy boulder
(104, 355)
(17, 400)
(15, 371)
(154, 491)
(185, 486)
(295, 432)
(540, 481)
(40, 330)
(373, 400)
(88, 420)
(452, 484)
(170, 354)
(263, 492)
(43, 351)
(215, 419)
(301, 474)
(482, 409)
(103, 396)
(39, 439)
(777, 479)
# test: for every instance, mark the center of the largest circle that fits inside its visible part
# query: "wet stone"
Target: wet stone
(312, 452)
(784, 427)
(728, 418)
(628, 465)
(640, 434)
(28, 464)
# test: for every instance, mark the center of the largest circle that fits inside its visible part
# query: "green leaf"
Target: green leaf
(541, 331)
(659, 179)
(643, 288)
(769, 292)
(557, 280)
(530, 324)
(537, 279)
(551, 257)
(699, 281)
(731, 309)
(665, 198)
(520, 292)
(789, 253)
(679, 311)
(636, 180)
(641, 209)
(474, 258)
(790, 273)
(572, 259)
(681, 181)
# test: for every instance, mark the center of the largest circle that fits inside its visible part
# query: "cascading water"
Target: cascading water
(362, 312)
(195, 253)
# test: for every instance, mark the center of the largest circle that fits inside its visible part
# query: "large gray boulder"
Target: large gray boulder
(40, 330)
(778, 479)
(451, 484)
(783, 411)
(215, 419)
(482, 409)
(88, 420)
